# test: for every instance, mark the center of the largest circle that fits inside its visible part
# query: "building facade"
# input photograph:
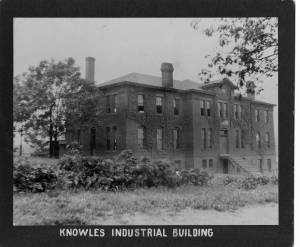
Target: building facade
(205, 126)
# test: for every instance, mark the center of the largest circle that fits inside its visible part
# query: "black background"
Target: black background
(281, 235)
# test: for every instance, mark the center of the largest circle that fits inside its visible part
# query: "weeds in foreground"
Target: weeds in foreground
(83, 207)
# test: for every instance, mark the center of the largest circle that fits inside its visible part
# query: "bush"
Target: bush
(124, 172)
(29, 179)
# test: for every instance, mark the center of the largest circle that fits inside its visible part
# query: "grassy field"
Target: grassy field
(95, 207)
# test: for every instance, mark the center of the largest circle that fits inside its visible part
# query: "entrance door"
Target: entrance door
(223, 142)
(225, 166)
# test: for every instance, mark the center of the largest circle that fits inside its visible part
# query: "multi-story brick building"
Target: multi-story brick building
(206, 126)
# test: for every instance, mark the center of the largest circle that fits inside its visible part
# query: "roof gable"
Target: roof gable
(219, 83)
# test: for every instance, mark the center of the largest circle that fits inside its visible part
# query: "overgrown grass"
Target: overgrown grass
(83, 207)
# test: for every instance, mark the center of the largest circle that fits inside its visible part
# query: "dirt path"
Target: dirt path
(253, 215)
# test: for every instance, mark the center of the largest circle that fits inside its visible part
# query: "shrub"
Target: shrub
(27, 178)
(124, 172)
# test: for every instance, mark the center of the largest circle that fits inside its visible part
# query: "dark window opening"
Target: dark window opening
(108, 104)
(211, 163)
(176, 138)
(219, 109)
(204, 138)
(114, 103)
(176, 106)
(258, 139)
(114, 138)
(107, 138)
(209, 138)
(141, 137)
(159, 104)
(269, 165)
(208, 108)
(140, 103)
(93, 140)
(268, 139)
(202, 102)
(260, 162)
(204, 164)
(243, 139)
(237, 138)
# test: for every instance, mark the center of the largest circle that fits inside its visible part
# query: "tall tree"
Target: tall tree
(248, 49)
(47, 98)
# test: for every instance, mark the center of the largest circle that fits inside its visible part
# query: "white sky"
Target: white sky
(121, 46)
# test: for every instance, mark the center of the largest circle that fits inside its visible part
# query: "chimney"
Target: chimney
(90, 69)
(167, 75)
(250, 89)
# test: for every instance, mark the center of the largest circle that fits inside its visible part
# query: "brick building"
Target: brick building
(205, 126)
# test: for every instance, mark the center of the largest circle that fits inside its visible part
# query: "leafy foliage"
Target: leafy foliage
(248, 48)
(249, 182)
(125, 172)
(33, 179)
(50, 96)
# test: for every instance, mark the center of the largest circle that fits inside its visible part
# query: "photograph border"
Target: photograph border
(281, 235)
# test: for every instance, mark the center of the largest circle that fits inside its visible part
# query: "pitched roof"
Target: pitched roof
(218, 83)
(152, 81)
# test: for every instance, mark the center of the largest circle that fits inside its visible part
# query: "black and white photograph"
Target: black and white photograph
(145, 121)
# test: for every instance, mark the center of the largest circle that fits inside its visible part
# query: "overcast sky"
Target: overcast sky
(121, 46)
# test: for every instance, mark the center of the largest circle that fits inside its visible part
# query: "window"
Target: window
(140, 99)
(219, 109)
(141, 137)
(240, 110)
(114, 103)
(266, 116)
(176, 106)
(159, 104)
(211, 163)
(257, 117)
(235, 111)
(260, 164)
(243, 139)
(78, 136)
(203, 138)
(225, 110)
(93, 139)
(114, 138)
(269, 165)
(107, 132)
(204, 164)
(237, 138)
(268, 139)
(159, 139)
(207, 108)
(111, 103)
(176, 138)
(258, 140)
(209, 138)
(202, 102)
(108, 104)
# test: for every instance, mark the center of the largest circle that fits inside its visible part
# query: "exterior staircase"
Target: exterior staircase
(245, 166)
